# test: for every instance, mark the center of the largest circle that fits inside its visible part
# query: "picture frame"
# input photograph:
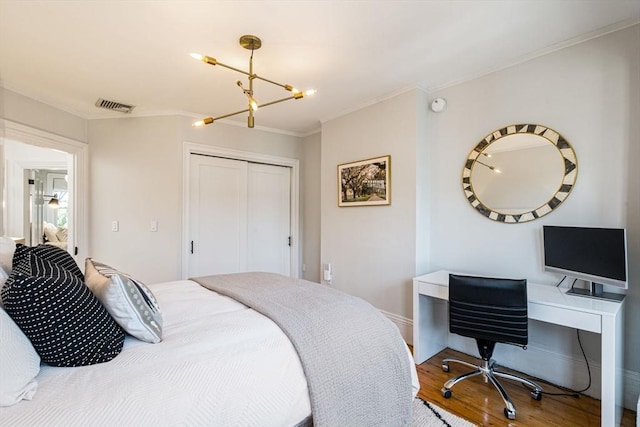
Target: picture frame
(365, 182)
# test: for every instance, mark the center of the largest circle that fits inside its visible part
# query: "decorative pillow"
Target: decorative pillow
(129, 301)
(54, 254)
(62, 233)
(19, 363)
(65, 322)
(49, 231)
(7, 248)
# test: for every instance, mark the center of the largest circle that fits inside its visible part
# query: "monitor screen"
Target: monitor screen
(597, 255)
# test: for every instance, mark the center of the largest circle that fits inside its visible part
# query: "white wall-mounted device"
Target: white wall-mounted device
(327, 273)
(438, 105)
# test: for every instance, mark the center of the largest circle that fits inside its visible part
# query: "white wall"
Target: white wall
(136, 177)
(20, 109)
(590, 93)
(310, 198)
(373, 248)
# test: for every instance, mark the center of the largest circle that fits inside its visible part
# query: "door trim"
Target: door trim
(79, 236)
(190, 148)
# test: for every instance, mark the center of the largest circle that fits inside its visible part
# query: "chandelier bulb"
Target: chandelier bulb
(196, 56)
(203, 122)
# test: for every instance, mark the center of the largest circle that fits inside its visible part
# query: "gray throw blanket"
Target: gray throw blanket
(354, 358)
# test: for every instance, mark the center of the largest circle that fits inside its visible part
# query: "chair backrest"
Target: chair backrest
(488, 308)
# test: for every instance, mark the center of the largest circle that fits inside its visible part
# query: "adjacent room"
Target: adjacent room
(332, 213)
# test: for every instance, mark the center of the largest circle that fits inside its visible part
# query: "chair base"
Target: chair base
(489, 373)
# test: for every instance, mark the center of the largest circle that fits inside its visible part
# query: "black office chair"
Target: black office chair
(491, 311)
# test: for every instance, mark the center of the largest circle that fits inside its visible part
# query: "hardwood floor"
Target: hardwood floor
(481, 404)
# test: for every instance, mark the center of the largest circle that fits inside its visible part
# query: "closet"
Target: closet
(239, 216)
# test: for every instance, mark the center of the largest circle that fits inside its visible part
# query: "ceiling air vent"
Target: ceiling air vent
(114, 106)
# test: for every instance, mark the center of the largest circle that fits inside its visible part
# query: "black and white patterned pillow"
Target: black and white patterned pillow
(64, 321)
(51, 253)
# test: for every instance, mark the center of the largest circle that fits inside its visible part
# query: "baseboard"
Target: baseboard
(631, 391)
(404, 324)
(561, 369)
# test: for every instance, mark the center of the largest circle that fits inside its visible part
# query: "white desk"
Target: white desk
(547, 304)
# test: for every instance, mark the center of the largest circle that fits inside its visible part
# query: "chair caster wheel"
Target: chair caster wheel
(536, 394)
(445, 367)
(446, 393)
(509, 414)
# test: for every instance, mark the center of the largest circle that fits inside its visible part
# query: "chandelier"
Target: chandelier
(252, 43)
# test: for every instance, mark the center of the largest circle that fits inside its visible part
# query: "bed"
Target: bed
(218, 363)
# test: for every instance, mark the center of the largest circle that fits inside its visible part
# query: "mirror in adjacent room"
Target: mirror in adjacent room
(519, 173)
(48, 206)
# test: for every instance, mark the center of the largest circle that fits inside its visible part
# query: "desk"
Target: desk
(546, 304)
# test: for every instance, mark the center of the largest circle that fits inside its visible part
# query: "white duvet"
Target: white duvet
(219, 364)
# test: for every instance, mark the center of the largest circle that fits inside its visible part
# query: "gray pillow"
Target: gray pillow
(129, 301)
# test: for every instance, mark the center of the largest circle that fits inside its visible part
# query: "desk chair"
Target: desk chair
(490, 311)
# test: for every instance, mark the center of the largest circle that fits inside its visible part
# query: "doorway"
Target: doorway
(66, 161)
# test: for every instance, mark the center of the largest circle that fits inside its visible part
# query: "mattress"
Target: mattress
(219, 364)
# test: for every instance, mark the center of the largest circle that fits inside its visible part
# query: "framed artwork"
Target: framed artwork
(365, 183)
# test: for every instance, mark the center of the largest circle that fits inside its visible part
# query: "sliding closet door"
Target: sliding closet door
(269, 219)
(239, 217)
(217, 216)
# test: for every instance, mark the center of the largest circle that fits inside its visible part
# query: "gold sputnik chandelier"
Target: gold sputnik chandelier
(252, 43)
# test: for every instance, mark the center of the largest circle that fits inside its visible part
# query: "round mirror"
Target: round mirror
(519, 173)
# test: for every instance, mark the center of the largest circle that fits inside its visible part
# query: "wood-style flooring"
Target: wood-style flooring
(481, 404)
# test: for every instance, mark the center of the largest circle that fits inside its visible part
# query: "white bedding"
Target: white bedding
(219, 364)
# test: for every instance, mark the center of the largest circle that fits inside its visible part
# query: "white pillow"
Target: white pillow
(19, 363)
(50, 231)
(62, 234)
(129, 301)
(7, 248)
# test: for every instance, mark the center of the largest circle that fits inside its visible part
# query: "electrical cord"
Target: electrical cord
(573, 283)
(560, 282)
(570, 392)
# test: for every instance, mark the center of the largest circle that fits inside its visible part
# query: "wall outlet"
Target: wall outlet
(115, 226)
(327, 273)
(154, 225)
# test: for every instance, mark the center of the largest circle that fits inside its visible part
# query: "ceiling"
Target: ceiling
(70, 53)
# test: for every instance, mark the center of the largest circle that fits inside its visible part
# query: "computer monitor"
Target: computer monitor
(596, 255)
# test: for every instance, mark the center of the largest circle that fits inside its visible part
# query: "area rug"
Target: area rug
(426, 414)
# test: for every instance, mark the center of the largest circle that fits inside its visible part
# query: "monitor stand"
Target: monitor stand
(595, 292)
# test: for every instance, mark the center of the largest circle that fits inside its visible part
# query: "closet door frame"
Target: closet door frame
(190, 148)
